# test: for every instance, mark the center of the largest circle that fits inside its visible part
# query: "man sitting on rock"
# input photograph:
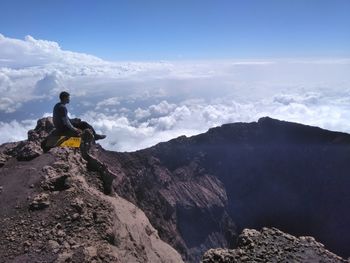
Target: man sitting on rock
(66, 126)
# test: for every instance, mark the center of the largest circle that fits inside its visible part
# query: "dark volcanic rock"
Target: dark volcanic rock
(200, 191)
(28, 149)
(272, 245)
(5, 152)
(40, 201)
(43, 128)
(187, 206)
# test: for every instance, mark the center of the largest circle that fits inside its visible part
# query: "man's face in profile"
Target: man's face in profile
(66, 100)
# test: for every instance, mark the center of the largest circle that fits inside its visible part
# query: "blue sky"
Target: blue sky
(183, 29)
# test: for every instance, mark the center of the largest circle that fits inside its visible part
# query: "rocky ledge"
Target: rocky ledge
(54, 208)
(272, 245)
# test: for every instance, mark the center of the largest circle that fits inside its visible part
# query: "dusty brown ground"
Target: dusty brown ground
(54, 209)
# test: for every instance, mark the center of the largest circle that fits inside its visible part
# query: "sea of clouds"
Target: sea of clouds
(138, 104)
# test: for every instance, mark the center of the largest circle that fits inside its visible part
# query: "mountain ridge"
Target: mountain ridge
(237, 146)
(199, 192)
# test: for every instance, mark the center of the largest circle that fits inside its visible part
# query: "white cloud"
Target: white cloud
(31, 52)
(141, 114)
(8, 105)
(308, 98)
(15, 131)
(107, 102)
(127, 133)
(5, 82)
(162, 108)
(141, 103)
(49, 85)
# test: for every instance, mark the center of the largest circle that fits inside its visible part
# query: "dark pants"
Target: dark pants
(82, 125)
(77, 123)
(48, 143)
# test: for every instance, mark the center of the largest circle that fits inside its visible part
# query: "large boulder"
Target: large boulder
(272, 245)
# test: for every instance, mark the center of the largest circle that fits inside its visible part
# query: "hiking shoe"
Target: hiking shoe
(99, 137)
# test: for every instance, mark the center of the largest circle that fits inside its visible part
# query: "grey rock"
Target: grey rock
(272, 245)
(39, 202)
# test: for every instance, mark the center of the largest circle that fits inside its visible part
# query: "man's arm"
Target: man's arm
(68, 124)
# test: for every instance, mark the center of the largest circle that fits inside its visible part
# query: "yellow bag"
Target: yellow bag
(63, 141)
(70, 142)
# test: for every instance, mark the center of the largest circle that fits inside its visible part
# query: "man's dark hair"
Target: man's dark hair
(64, 94)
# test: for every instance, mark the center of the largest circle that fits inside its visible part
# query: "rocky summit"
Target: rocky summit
(272, 245)
(176, 200)
(54, 209)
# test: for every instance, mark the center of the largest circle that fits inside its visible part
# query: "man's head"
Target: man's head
(64, 97)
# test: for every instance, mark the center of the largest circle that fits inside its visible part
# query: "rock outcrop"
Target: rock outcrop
(54, 209)
(28, 149)
(272, 245)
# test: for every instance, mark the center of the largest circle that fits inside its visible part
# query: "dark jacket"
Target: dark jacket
(60, 118)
